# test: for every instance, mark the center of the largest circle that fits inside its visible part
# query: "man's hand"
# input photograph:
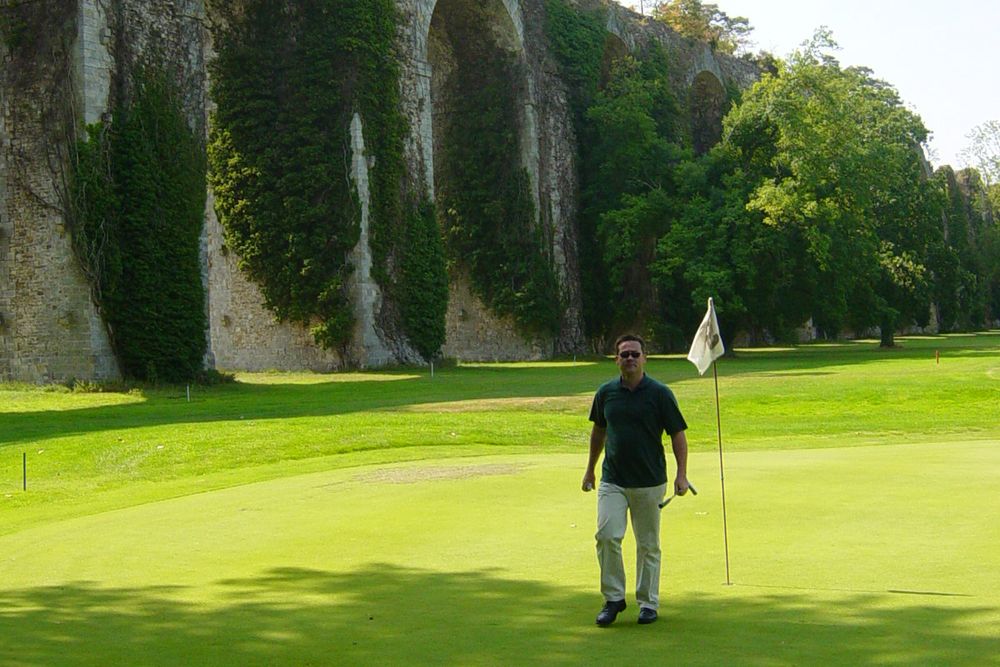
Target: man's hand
(589, 480)
(681, 485)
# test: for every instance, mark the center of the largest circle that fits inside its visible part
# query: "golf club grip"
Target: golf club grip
(667, 501)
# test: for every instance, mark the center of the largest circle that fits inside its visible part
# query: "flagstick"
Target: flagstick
(722, 474)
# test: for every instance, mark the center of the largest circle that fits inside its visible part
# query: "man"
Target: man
(630, 414)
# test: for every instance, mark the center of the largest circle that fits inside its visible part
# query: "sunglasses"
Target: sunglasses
(629, 353)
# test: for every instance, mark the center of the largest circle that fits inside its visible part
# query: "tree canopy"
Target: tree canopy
(817, 204)
(983, 150)
(705, 22)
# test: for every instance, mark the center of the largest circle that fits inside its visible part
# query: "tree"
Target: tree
(983, 151)
(705, 23)
(843, 174)
(966, 263)
(630, 155)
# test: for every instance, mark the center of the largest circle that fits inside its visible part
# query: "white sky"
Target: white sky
(941, 56)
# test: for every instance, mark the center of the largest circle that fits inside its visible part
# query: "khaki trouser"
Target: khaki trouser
(613, 504)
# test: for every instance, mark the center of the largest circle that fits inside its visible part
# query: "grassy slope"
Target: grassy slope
(90, 452)
(883, 552)
(832, 563)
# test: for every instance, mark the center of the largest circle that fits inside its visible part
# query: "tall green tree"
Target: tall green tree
(983, 153)
(632, 152)
(705, 22)
(965, 266)
(846, 175)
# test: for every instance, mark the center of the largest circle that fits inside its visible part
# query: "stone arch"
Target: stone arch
(620, 26)
(474, 52)
(500, 31)
(708, 104)
(420, 60)
(428, 8)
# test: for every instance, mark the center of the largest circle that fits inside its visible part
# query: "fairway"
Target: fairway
(850, 543)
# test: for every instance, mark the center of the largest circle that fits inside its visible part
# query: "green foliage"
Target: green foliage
(627, 180)
(385, 127)
(705, 22)
(966, 254)
(33, 30)
(280, 153)
(577, 39)
(800, 212)
(139, 200)
(485, 202)
(287, 81)
(854, 192)
(424, 285)
(13, 29)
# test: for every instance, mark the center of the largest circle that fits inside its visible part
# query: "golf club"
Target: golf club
(667, 501)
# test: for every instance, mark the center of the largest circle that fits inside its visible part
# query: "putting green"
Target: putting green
(861, 555)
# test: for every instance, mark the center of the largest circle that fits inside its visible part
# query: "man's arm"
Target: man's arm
(597, 435)
(679, 443)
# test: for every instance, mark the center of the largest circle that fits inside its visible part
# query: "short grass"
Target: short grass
(392, 518)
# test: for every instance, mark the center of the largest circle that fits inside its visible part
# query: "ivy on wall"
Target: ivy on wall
(423, 292)
(279, 156)
(287, 80)
(138, 200)
(577, 39)
(484, 193)
(629, 140)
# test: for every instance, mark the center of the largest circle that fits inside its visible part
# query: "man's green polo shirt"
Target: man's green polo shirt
(635, 421)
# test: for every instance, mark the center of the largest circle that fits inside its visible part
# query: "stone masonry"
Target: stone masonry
(49, 327)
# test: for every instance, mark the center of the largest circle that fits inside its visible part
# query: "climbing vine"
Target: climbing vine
(577, 39)
(423, 292)
(486, 206)
(138, 202)
(287, 80)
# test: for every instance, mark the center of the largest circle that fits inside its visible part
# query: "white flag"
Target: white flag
(707, 344)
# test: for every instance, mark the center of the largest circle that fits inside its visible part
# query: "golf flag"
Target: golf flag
(707, 344)
(706, 348)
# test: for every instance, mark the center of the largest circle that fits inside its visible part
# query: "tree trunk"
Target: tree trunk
(888, 328)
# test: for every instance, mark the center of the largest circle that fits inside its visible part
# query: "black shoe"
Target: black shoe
(610, 612)
(647, 615)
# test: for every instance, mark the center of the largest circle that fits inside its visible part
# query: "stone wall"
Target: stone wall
(49, 327)
(243, 333)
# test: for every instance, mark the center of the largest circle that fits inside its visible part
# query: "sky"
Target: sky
(940, 56)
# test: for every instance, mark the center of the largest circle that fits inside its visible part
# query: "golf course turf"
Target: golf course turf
(394, 518)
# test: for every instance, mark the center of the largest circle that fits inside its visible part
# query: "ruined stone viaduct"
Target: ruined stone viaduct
(49, 327)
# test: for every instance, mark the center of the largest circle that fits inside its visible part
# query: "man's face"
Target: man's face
(630, 358)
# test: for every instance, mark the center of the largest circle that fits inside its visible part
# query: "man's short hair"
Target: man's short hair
(624, 338)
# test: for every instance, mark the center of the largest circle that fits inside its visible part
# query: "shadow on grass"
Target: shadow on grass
(384, 614)
(464, 383)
